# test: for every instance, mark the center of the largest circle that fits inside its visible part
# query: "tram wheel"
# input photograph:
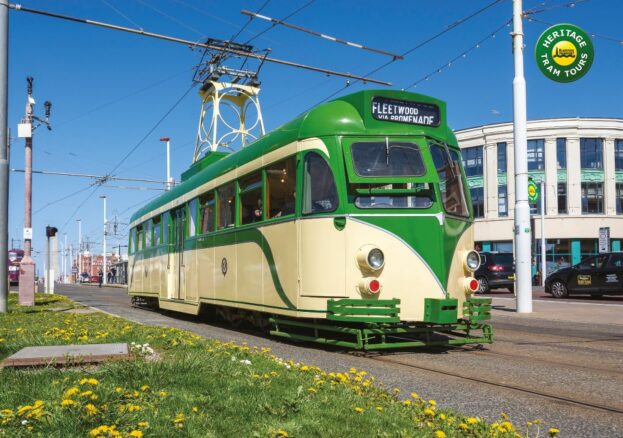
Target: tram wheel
(559, 289)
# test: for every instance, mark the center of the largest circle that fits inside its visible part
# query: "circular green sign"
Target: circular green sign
(564, 53)
(533, 192)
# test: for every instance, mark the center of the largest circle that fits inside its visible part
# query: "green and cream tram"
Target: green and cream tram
(350, 225)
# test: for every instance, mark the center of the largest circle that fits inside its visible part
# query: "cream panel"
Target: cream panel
(457, 270)
(180, 288)
(281, 240)
(173, 280)
(249, 262)
(135, 274)
(225, 284)
(404, 275)
(206, 269)
(191, 275)
(276, 155)
(321, 258)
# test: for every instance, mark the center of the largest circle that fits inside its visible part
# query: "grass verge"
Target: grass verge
(179, 384)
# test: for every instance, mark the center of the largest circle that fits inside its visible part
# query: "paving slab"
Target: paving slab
(67, 354)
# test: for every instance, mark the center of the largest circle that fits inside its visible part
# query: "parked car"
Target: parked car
(597, 276)
(496, 271)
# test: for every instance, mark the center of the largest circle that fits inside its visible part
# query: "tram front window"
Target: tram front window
(450, 180)
(421, 197)
(387, 158)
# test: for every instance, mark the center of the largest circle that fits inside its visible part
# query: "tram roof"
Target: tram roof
(346, 115)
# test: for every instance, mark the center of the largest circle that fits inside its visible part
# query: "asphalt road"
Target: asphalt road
(565, 372)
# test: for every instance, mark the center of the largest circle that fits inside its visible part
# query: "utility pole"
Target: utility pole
(543, 240)
(104, 252)
(65, 254)
(79, 277)
(4, 156)
(522, 208)
(169, 180)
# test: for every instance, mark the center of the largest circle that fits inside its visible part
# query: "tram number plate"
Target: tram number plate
(404, 111)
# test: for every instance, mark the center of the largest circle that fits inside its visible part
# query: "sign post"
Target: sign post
(604, 240)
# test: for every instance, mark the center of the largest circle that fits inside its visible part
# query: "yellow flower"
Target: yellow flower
(136, 434)
(312, 390)
(472, 420)
(67, 402)
(407, 402)
(553, 431)
(195, 409)
(432, 402)
(144, 387)
(118, 390)
(429, 412)
(162, 393)
(91, 409)
(86, 393)
(359, 410)
(379, 408)
(71, 391)
(463, 426)
(282, 433)
(414, 395)
(143, 424)
(440, 434)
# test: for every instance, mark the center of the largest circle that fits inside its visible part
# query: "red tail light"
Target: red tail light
(473, 284)
(496, 268)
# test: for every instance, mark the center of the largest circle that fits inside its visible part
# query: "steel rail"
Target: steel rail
(242, 53)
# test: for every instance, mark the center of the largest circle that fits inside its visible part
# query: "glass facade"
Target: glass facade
(618, 155)
(502, 201)
(591, 153)
(619, 198)
(536, 154)
(561, 153)
(502, 157)
(472, 161)
(562, 198)
(592, 198)
(478, 201)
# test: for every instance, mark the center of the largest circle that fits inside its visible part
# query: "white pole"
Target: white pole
(522, 209)
(169, 184)
(543, 244)
(79, 251)
(104, 249)
(65, 253)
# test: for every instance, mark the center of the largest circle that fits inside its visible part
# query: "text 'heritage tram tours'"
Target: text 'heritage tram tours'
(350, 225)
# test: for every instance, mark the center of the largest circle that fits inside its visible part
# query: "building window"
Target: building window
(502, 157)
(536, 154)
(592, 198)
(472, 161)
(561, 153)
(536, 207)
(478, 201)
(502, 201)
(562, 198)
(619, 198)
(591, 153)
(618, 155)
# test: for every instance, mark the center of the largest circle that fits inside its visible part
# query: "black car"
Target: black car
(496, 271)
(597, 276)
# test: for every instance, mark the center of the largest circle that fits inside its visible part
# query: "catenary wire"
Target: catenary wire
(121, 14)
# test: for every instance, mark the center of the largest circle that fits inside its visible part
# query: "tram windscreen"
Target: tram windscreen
(386, 196)
(450, 180)
(387, 158)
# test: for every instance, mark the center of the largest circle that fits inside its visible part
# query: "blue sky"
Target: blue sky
(109, 88)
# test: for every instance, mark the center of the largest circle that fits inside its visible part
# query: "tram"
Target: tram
(350, 225)
(15, 258)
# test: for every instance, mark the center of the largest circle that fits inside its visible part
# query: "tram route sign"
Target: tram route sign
(564, 53)
(405, 111)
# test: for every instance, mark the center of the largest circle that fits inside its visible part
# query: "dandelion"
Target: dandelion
(472, 420)
(86, 393)
(144, 388)
(429, 412)
(143, 424)
(432, 402)
(463, 426)
(407, 403)
(91, 409)
(71, 391)
(282, 433)
(359, 410)
(414, 395)
(440, 434)
(553, 431)
(379, 408)
(136, 434)
(312, 390)
(162, 393)
(195, 409)
(67, 402)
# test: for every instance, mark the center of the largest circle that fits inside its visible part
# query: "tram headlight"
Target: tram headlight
(370, 258)
(472, 261)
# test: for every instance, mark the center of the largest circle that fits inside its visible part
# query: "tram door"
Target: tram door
(176, 283)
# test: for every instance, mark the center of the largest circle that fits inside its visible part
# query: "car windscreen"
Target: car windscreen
(387, 158)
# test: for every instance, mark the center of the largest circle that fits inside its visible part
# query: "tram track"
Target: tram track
(508, 386)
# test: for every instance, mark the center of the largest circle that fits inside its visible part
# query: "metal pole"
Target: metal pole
(522, 209)
(543, 243)
(4, 157)
(169, 180)
(64, 259)
(27, 266)
(79, 250)
(47, 266)
(104, 254)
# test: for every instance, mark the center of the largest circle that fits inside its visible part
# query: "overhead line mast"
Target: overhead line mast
(193, 44)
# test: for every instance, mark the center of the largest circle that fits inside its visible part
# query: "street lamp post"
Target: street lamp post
(79, 277)
(104, 271)
(169, 180)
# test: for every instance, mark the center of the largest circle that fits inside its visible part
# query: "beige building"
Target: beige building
(580, 162)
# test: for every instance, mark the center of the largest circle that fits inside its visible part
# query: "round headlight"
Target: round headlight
(376, 258)
(472, 260)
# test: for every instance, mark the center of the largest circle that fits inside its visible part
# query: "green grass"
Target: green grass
(194, 387)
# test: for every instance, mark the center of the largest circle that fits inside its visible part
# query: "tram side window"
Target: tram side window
(157, 227)
(319, 190)
(206, 214)
(450, 181)
(250, 198)
(132, 241)
(281, 188)
(192, 213)
(139, 238)
(166, 223)
(226, 197)
(147, 229)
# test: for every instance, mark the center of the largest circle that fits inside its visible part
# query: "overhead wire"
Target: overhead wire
(592, 34)
(121, 14)
(293, 13)
(172, 18)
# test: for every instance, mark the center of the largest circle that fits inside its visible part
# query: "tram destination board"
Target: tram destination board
(404, 111)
